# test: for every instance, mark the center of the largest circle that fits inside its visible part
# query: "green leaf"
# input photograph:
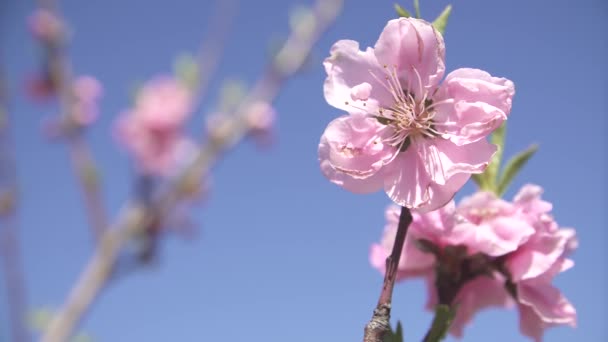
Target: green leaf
(396, 336)
(498, 139)
(417, 9)
(488, 179)
(402, 12)
(513, 167)
(442, 20)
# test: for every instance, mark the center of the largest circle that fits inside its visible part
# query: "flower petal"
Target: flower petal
(471, 104)
(351, 153)
(547, 302)
(443, 159)
(416, 50)
(407, 181)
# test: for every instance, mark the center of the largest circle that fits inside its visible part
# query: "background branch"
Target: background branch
(9, 235)
(83, 163)
(135, 218)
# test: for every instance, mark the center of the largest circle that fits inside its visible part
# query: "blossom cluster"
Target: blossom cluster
(153, 130)
(507, 253)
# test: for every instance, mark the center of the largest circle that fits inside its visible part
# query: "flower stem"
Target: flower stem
(444, 315)
(379, 325)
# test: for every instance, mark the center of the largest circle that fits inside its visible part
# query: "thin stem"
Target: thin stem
(213, 45)
(82, 160)
(136, 219)
(379, 325)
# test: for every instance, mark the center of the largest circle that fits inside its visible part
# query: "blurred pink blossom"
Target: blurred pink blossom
(152, 130)
(428, 138)
(87, 91)
(260, 119)
(44, 25)
(521, 246)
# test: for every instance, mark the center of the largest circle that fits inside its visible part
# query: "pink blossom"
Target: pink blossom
(534, 265)
(260, 119)
(481, 293)
(518, 246)
(87, 91)
(152, 130)
(164, 104)
(435, 133)
(45, 25)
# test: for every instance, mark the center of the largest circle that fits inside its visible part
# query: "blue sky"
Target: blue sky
(281, 253)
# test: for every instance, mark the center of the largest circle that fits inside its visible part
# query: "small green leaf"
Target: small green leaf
(513, 167)
(402, 12)
(498, 138)
(442, 20)
(396, 336)
(186, 70)
(417, 9)
(488, 179)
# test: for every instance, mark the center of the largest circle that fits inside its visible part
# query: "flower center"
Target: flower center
(408, 117)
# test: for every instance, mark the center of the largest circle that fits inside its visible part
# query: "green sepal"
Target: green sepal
(417, 9)
(442, 20)
(402, 12)
(512, 168)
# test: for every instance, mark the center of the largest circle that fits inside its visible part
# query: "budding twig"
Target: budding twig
(81, 157)
(379, 325)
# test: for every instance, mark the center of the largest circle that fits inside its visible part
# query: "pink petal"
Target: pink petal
(537, 256)
(471, 104)
(478, 294)
(439, 195)
(352, 154)
(547, 302)
(349, 71)
(444, 159)
(529, 199)
(416, 50)
(407, 182)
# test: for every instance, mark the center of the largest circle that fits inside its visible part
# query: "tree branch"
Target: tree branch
(379, 325)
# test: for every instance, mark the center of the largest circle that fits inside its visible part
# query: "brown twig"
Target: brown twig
(379, 325)
(135, 218)
(82, 160)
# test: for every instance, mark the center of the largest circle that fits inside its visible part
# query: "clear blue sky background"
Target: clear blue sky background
(282, 254)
